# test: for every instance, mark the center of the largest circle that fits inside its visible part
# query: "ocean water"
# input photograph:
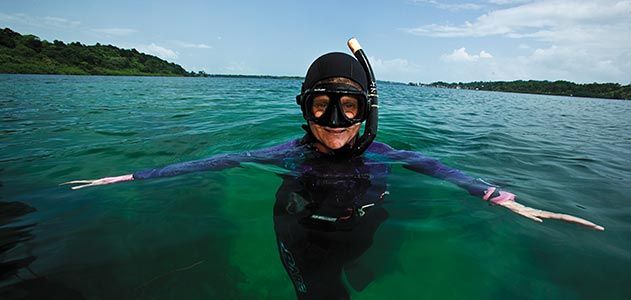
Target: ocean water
(210, 235)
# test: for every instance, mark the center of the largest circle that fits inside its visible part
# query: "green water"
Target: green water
(210, 235)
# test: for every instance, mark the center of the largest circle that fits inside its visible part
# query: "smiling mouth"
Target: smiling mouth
(335, 130)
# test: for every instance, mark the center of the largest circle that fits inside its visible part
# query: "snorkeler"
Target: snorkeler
(328, 206)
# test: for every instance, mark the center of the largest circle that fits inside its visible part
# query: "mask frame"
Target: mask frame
(334, 115)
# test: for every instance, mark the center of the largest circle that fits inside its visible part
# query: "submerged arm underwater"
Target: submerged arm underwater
(213, 163)
(414, 161)
(420, 163)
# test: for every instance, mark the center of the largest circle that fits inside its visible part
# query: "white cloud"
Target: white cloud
(577, 40)
(450, 6)
(393, 66)
(192, 45)
(567, 62)
(116, 31)
(9, 17)
(158, 51)
(12, 20)
(548, 63)
(544, 20)
(484, 54)
(460, 55)
(503, 2)
(237, 67)
(60, 22)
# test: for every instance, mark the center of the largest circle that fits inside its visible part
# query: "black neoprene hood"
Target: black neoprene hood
(335, 64)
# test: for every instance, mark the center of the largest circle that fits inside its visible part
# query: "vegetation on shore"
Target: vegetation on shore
(559, 88)
(27, 54)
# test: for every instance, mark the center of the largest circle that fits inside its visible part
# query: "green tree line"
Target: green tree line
(560, 88)
(28, 54)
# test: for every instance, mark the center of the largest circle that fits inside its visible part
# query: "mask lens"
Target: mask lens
(319, 105)
(350, 106)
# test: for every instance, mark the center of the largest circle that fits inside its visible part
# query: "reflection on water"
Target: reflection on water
(19, 281)
(12, 236)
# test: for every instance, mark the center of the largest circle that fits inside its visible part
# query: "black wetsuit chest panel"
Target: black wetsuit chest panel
(330, 194)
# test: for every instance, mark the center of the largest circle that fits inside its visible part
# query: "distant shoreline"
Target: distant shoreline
(571, 96)
(167, 75)
(170, 75)
(207, 75)
(284, 77)
(27, 54)
(542, 87)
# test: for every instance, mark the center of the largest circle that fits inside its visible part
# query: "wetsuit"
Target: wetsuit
(327, 208)
(289, 156)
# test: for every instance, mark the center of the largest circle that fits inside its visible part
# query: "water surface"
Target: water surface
(210, 234)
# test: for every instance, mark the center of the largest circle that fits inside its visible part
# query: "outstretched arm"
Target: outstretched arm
(507, 199)
(420, 163)
(100, 181)
(213, 163)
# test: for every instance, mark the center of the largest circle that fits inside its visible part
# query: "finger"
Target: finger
(572, 219)
(597, 227)
(77, 182)
(82, 186)
(557, 216)
(521, 210)
(529, 216)
(583, 222)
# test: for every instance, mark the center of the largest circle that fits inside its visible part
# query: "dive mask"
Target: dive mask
(334, 105)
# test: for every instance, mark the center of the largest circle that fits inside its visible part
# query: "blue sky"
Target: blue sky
(407, 40)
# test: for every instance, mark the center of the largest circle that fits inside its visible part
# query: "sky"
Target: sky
(405, 40)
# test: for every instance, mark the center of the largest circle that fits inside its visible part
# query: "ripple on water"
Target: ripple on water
(177, 116)
(117, 133)
(560, 154)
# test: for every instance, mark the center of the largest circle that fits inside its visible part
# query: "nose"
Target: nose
(335, 118)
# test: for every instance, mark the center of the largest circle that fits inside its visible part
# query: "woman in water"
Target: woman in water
(328, 207)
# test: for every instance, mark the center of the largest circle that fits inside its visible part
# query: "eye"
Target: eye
(350, 106)
(321, 101)
(319, 105)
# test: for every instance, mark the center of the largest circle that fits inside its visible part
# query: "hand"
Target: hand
(538, 215)
(101, 181)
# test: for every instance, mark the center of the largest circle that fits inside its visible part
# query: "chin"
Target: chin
(337, 144)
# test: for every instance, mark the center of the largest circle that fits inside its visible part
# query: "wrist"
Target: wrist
(496, 196)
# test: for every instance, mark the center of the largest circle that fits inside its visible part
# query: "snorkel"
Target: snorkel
(370, 130)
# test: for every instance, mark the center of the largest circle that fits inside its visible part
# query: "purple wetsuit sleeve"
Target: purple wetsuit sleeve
(420, 163)
(218, 162)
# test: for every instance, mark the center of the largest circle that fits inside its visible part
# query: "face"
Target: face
(334, 138)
